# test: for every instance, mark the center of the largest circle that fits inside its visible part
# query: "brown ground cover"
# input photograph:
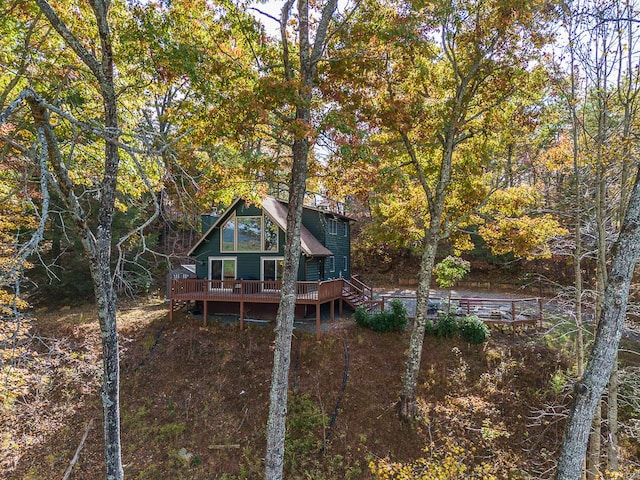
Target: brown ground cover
(194, 400)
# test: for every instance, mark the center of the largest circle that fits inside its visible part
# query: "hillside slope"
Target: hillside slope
(195, 400)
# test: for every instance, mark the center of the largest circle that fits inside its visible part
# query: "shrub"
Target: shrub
(362, 317)
(429, 328)
(474, 330)
(450, 270)
(446, 326)
(394, 320)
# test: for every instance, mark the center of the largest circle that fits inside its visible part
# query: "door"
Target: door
(223, 272)
(272, 270)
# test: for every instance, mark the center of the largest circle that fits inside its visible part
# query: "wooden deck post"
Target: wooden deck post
(204, 314)
(318, 321)
(340, 307)
(333, 310)
(241, 315)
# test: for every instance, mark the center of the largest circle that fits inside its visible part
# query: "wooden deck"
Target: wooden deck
(254, 291)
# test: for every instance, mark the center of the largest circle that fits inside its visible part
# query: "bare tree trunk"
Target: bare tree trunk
(590, 388)
(612, 419)
(593, 453)
(98, 246)
(309, 58)
(274, 459)
(408, 398)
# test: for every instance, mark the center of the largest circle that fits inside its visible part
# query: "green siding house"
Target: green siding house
(247, 242)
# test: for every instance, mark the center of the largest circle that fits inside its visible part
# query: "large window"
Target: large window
(270, 235)
(249, 234)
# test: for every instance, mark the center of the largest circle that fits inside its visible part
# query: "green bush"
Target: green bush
(394, 320)
(429, 328)
(474, 330)
(362, 317)
(446, 326)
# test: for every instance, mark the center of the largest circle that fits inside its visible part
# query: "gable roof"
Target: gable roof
(277, 210)
(310, 245)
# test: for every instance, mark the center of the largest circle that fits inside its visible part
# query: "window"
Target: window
(249, 234)
(346, 228)
(332, 264)
(222, 271)
(345, 266)
(333, 226)
(229, 235)
(272, 271)
(270, 235)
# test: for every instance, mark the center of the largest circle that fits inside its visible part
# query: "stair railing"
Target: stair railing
(359, 286)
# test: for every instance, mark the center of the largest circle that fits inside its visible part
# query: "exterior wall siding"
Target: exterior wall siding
(248, 264)
(339, 244)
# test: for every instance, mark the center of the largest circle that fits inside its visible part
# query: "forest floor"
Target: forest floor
(194, 400)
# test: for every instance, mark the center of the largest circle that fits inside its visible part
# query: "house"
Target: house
(239, 261)
(247, 242)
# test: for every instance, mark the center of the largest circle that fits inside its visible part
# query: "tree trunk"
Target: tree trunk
(409, 395)
(408, 399)
(309, 57)
(595, 444)
(612, 419)
(98, 246)
(276, 425)
(590, 388)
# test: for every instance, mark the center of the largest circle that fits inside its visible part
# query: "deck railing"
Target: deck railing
(251, 290)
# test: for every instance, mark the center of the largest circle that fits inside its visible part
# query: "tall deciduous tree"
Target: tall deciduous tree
(96, 240)
(602, 37)
(310, 53)
(97, 244)
(430, 81)
(590, 388)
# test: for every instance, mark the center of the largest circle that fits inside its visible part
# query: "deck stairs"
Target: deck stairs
(357, 294)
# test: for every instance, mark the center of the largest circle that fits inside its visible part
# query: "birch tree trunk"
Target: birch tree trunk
(408, 406)
(590, 388)
(309, 57)
(97, 246)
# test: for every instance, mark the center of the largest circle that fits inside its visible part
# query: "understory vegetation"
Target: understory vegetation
(393, 320)
(194, 403)
(471, 328)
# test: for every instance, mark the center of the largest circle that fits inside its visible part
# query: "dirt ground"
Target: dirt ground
(194, 400)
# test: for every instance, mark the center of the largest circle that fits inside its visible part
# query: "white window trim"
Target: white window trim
(262, 259)
(333, 226)
(235, 217)
(235, 272)
(332, 263)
